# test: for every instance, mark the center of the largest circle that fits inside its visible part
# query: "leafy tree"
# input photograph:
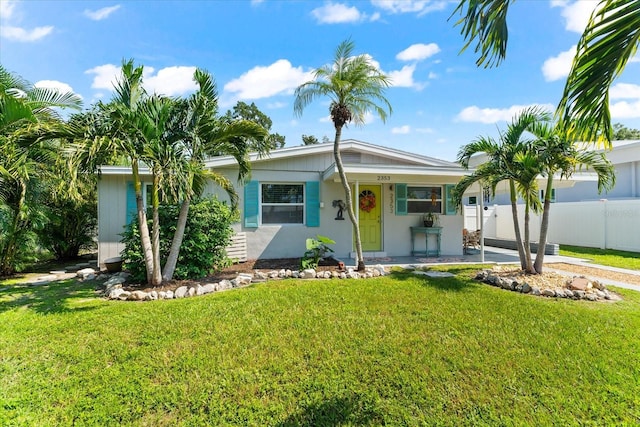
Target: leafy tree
(508, 159)
(244, 111)
(621, 132)
(204, 134)
(29, 128)
(609, 40)
(309, 140)
(557, 155)
(355, 86)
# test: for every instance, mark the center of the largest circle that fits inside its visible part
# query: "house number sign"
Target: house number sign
(384, 178)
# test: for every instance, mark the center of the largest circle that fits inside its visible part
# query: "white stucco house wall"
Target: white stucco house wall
(625, 157)
(292, 196)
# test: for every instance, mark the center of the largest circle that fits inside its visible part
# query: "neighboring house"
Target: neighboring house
(625, 156)
(294, 194)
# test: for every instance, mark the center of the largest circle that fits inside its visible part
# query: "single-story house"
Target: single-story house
(295, 193)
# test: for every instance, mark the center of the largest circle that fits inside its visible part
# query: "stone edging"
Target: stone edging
(577, 287)
(113, 286)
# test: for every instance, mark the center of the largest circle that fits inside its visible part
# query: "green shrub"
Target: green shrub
(207, 234)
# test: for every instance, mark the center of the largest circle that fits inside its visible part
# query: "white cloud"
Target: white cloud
(576, 14)
(404, 78)
(432, 75)
(6, 9)
(559, 66)
(168, 81)
(402, 130)
(494, 115)
(100, 14)
(624, 91)
(418, 52)
(369, 117)
(256, 2)
(54, 84)
(9, 30)
(337, 13)
(105, 76)
(420, 7)
(263, 82)
(625, 110)
(22, 35)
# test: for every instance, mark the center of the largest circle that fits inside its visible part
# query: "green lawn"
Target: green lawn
(401, 350)
(610, 257)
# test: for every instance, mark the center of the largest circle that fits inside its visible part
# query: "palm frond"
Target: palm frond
(608, 42)
(485, 22)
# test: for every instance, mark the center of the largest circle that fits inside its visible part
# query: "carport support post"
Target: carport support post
(481, 225)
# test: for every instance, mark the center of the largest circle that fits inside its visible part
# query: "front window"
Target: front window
(282, 203)
(424, 199)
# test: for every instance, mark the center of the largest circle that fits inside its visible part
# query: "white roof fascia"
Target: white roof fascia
(122, 170)
(349, 144)
(376, 169)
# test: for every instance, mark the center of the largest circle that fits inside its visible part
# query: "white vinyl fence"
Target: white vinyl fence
(606, 224)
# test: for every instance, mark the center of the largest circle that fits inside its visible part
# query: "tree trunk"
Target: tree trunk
(347, 195)
(142, 223)
(156, 276)
(176, 243)
(544, 226)
(9, 253)
(516, 225)
(527, 240)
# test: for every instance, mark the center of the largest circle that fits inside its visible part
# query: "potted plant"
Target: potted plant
(430, 219)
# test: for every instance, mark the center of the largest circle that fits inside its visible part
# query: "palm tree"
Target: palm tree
(114, 130)
(205, 134)
(556, 154)
(29, 124)
(509, 159)
(355, 87)
(608, 42)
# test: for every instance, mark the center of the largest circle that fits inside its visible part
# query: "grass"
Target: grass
(398, 350)
(610, 257)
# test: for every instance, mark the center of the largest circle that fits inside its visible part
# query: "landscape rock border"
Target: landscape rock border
(114, 285)
(576, 287)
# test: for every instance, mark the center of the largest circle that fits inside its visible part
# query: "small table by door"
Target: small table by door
(437, 231)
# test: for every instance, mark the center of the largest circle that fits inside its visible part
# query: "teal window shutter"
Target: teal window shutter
(251, 204)
(312, 203)
(132, 207)
(401, 199)
(450, 206)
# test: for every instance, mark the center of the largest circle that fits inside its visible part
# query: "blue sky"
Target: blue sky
(260, 51)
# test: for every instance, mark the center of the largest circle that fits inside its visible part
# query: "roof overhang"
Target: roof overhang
(396, 174)
(558, 182)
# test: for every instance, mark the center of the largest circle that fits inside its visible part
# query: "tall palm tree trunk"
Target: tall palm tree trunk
(347, 195)
(176, 243)
(527, 239)
(156, 275)
(544, 226)
(142, 223)
(516, 225)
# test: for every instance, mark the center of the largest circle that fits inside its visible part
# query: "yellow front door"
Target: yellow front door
(369, 204)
